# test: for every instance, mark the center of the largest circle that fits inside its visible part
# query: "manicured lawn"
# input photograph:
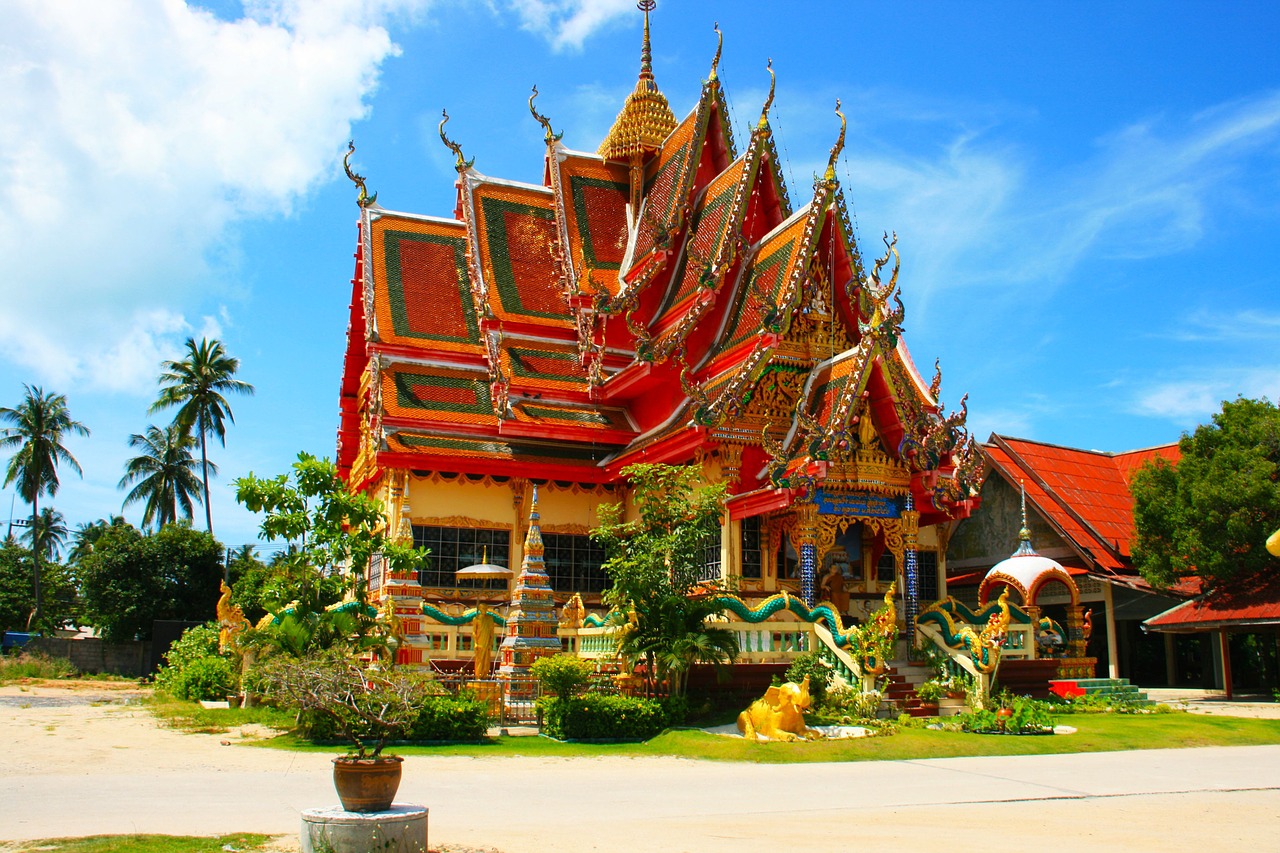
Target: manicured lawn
(143, 844)
(1095, 733)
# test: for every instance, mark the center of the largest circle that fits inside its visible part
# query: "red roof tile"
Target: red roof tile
(1253, 600)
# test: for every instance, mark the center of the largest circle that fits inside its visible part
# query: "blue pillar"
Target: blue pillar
(911, 574)
(808, 561)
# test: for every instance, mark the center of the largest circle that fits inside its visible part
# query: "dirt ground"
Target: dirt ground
(82, 761)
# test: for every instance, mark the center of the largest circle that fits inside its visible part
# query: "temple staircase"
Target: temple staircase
(900, 691)
(1119, 688)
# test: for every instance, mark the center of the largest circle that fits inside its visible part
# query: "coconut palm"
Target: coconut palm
(37, 427)
(48, 534)
(163, 476)
(87, 534)
(197, 385)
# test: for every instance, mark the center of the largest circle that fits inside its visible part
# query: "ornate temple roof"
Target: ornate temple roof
(653, 301)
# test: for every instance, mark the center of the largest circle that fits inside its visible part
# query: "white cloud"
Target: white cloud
(568, 23)
(977, 210)
(1195, 398)
(133, 135)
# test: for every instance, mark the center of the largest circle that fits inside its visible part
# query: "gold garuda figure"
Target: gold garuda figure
(779, 714)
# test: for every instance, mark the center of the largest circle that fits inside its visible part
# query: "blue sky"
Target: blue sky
(1087, 195)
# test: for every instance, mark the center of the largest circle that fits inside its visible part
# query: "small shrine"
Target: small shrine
(531, 622)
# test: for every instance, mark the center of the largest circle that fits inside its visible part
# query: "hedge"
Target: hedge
(595, 717)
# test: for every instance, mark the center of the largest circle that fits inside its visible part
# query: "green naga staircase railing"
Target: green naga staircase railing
(464, 618)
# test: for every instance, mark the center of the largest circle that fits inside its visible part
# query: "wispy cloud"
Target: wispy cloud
(1194, 398)
(134, 136)
(566, 24)
(977, 209)
(1210, 324)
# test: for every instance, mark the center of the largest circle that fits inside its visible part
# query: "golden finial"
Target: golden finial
(461, 164)
(768, 102)
(715, 63)
(551, 135)
(646, 54)
(830, 176)
(363, 199)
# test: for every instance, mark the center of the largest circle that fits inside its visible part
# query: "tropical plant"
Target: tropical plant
(47, 534)
(131, 579)
(87, 534)
(810, 664)
(163, 475)
(562, 674)
(655, 566)
(1211, 513)
(17, 595)
(195, 668)
(37, 428)
(197, 385)
(333, 536)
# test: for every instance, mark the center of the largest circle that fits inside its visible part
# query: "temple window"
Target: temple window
(454, 548)
(927, 572)
(887, 568)
(573, 563)
(787, 560)
(752, 547)
(711, 557)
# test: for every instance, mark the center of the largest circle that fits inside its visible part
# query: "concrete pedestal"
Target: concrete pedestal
(402, 829)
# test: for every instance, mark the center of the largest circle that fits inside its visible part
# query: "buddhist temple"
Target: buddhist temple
(661, 296)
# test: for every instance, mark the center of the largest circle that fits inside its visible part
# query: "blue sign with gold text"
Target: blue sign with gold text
(857, 503)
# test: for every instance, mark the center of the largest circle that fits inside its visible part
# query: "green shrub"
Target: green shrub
(450, 718)
(1030, 716)
(812, 665)
(34, 665)
(207, 678)
(675, 709)
(439, 718)
(562, 674)
(594, 717)
(850, 705)
(194, 669)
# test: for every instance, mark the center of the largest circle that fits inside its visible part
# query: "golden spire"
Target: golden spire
(646, 118)
(830, 176)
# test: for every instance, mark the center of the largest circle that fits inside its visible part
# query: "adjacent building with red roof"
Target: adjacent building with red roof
(1080, 513)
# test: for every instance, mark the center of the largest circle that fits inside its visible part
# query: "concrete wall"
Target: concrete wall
(92, 655)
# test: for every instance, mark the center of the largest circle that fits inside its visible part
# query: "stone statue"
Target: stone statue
(779, 715)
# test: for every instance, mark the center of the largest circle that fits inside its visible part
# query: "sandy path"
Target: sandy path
(81, 769)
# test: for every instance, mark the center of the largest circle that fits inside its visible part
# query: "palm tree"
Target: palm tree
(48, 534)
(196, 384)
(163, 476)
(87, 534)
(38, 425)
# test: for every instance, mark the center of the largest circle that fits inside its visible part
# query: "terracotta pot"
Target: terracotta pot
(1002, 717)
(367, 784)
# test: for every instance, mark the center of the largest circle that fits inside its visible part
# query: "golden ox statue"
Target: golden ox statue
(780, 714)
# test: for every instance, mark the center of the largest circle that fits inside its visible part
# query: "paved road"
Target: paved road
(1195, 799)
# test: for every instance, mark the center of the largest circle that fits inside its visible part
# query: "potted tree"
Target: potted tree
(366, 707)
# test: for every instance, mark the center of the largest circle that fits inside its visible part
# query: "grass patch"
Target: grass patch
(1095, 733)
(143, 844)
(27, 666)
(192, 718)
